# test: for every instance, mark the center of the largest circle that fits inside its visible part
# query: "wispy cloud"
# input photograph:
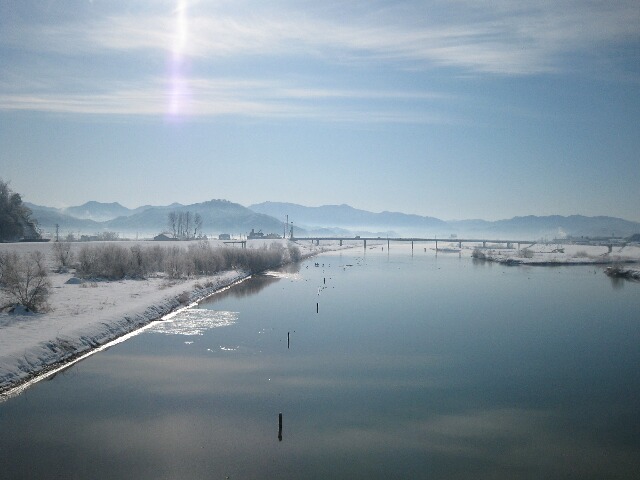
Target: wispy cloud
(233, 97)
(127, 46)
(508, 38)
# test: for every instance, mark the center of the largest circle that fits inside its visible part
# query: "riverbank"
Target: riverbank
(560, 254)
(85, 316)
(618, 271)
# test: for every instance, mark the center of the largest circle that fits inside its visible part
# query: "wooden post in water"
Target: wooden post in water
(280, 426)
(317, 308)
(288, 333)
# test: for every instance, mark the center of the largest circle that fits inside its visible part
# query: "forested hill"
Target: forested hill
(15, 217)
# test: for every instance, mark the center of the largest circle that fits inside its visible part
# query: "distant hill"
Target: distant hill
(98, 211)
(551, 226)
(335, 217)
(48, 217)
(219, 216)
(347, 217)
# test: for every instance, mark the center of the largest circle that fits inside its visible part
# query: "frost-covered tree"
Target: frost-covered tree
(62, 254)
(24, 280)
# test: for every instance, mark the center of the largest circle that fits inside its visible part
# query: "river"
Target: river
(383, 364)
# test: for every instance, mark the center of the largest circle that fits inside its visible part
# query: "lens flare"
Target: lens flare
(178, 89)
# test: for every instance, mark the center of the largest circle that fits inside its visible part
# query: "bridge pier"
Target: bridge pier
(365, 243)
(610, 247)
(387, 244)
(317, 241)
(411, 246)
(340, 242)
(459, 244)
(484, 244)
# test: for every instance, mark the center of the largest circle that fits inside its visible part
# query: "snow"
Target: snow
(84, 316)
(563, 254)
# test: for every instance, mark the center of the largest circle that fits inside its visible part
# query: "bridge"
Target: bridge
(413, 240)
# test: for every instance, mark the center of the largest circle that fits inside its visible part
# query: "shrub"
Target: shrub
(183, 298)
(526, 253)
(24, 280)
(111, 261)
(295, 255)
(477, 253)
(62, 255)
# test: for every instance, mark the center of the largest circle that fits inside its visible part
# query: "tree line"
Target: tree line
(184, 225)
(24, 279)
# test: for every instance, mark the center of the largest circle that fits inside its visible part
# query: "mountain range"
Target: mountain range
(222, 216)
(218, 216)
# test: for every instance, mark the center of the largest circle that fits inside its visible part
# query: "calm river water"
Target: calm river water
(382, 365)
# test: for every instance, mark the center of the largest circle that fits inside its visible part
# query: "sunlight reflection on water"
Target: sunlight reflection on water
(195, 322)
(284, 274)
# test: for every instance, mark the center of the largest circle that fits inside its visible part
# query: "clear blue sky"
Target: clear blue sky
(454, 109)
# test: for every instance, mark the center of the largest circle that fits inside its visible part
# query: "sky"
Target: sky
(455, 109)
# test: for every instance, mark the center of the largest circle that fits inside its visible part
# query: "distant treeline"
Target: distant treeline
(112, 261)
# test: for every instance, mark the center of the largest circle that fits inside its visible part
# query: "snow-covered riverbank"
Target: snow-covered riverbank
(561, 254)
(84, 316)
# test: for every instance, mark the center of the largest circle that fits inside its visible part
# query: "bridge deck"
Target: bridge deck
(413, 239)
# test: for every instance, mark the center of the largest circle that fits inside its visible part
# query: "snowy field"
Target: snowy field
(92, 313)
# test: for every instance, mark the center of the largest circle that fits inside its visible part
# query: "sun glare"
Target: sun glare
(180, 38)
(178, 91)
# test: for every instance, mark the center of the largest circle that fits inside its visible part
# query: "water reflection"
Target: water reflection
(617, 283)
(412, 369)
(251, 286)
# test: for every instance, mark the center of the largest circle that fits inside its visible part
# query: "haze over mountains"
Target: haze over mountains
(222, 216)
(219, 216)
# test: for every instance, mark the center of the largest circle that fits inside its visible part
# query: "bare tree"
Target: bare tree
(197, 225)
(24, 280)
(187, 224)
(173, 223)
(180, 224)
(184, 224)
